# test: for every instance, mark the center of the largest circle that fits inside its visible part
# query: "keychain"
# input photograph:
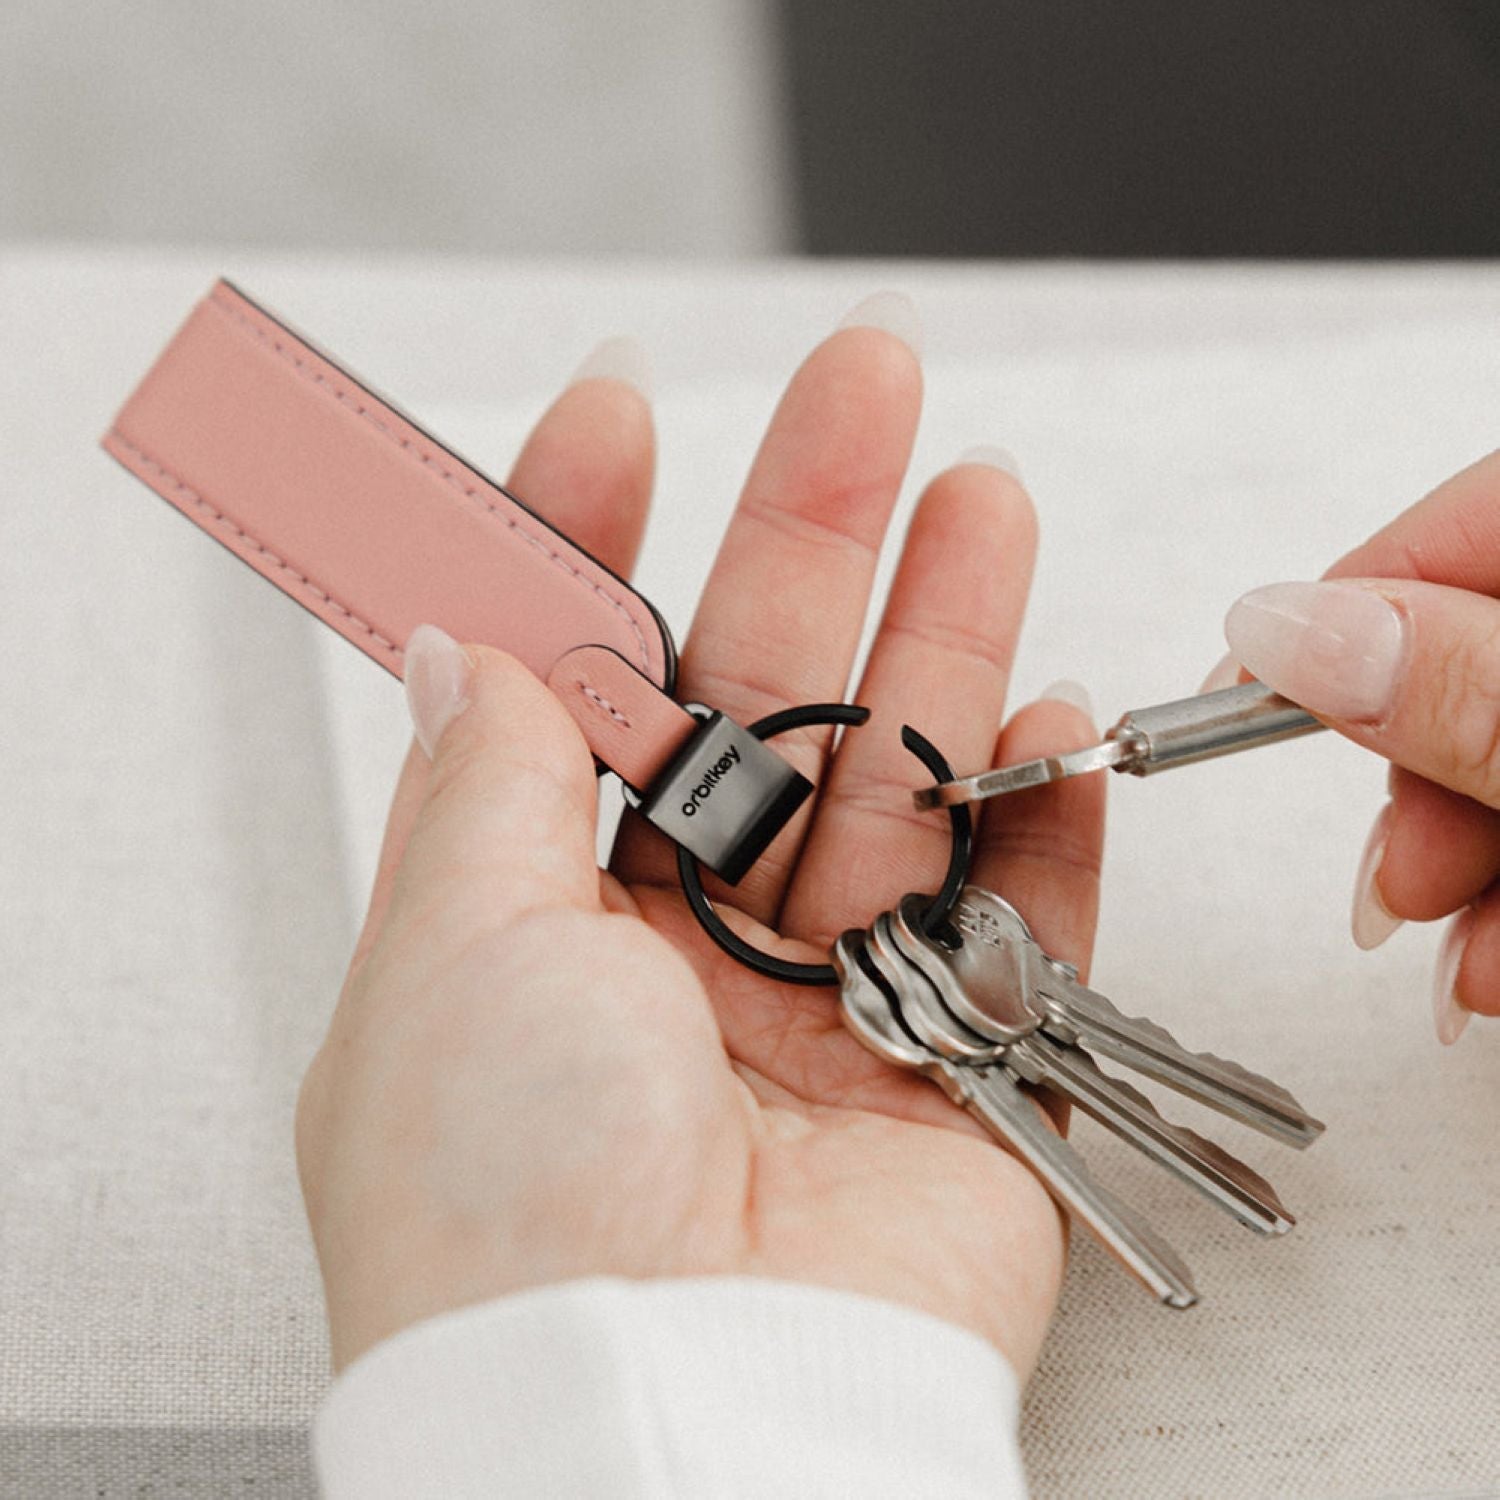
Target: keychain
(370, 523)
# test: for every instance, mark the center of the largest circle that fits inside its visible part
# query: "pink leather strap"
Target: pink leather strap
(363, 518)
(631, 727)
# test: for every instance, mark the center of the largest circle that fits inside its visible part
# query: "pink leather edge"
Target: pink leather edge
(355, 512)
(630, 726)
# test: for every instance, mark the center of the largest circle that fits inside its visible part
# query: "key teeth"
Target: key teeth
(1299, 1129)
(1276, 1221)
(1307, 1130)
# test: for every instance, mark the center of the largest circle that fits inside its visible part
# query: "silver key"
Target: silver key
(873, 1013)
(1037, 1059)
(1007, 972)
(932, 1025)
(1223, 1179)
(1002, 1012)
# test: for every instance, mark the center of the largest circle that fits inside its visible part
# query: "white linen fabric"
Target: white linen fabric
(196, 777)
(718, 1387)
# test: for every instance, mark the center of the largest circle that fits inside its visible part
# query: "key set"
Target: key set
(986, 1014)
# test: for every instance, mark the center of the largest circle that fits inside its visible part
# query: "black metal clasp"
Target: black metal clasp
(934, 919)
(724, 796)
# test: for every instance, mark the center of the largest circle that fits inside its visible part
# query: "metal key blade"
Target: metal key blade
(999, 954)
(1147, 740)
(1077, 1013)
(1221, 1178)
(872, 1013)
(1015, 1119)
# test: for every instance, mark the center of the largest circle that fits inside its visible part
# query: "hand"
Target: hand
(1399, 649)
(537, 1071)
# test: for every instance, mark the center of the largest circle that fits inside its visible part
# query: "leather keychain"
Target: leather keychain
(370, 523)
(351, 509)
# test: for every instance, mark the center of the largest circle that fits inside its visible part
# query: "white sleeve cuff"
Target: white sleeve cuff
(698, 1387)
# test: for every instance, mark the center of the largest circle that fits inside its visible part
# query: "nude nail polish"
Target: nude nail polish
(1225, 674)
(1065, 690)
(996, 458)
(892, 311)
(436, 676)
(622, 359)
(1369, 921)
(1448, 1015)
(1336, 648)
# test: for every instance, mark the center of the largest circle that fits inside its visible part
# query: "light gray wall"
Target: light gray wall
(525, 125)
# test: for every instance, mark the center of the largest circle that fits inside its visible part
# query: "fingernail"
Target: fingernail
(1065, 690)
(997, 458)
(1449, 1016)
(895, 312)
(1225, 675)
(1370, 922)
(1335, 648)
(622, 359)
(437, 683)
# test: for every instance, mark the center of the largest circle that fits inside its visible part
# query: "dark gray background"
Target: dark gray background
(1146, 127)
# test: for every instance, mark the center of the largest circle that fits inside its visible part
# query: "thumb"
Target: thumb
(1410, 670)
(506, 820)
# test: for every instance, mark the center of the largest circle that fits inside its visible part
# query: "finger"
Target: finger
(1042, 849)
(1224, 673)
(1429, 852)
(1467, 979)
(411, 787)
(587, 467)
(782, 612)
(941, 661)
(505, 820)
(1451, 537)
(1410, 670)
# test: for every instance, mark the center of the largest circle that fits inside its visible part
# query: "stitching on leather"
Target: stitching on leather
(277, 563)
(309, 372)
(600, 701)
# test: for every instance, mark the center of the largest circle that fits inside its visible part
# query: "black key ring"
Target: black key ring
(933, 919)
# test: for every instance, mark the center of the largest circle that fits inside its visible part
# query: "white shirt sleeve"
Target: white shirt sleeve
(704, 1387)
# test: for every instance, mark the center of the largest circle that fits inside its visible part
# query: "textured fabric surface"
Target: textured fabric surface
(196, 781)
(619, 1388)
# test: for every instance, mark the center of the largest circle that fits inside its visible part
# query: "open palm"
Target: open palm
(537, 1071)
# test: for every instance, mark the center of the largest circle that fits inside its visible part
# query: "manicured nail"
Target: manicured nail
(997, 458)
(1335, 648)
(1225, 675)
(1065, 690)
(621, 359)
(1449, 1016)
(437, 683)
(895, 312)
(1370, 922)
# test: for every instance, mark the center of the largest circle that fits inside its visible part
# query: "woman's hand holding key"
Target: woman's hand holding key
(1399, 649)
(538, 1071)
